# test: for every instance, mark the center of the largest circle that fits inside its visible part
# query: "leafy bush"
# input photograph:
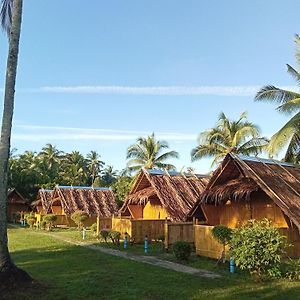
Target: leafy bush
(223, 235)
(115, 237)
(94, 228)
(258, 246)
(79, 217)
(43, 224)
(49, 219)
(182, 250)
(293, 269)
(104, 234)
(31, 221)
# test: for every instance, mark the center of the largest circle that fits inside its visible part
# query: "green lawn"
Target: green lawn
(63, 271)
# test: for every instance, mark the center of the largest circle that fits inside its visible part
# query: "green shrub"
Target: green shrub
(43, 224)
(31, 221)
(49, 219)
(182, 250)
(114, 236)
(79, 217)
(293, 269)
(223, 235)
(94, 228)
(257, 247)
(104, 234)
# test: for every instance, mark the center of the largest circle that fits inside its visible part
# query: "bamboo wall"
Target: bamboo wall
(205, 244)
(138, 229)
(293, 238)
(122, 225)
(183, 231)
(235, 214)
(154, 210)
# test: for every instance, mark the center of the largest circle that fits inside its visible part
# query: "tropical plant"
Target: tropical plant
(104, 234)
(79, 217)
(94, 165)
(109, 176)
(49, 219)
(240, 137)
(223, 235)
(121, 188)
(11, 19)
(147, 153)
(182, 250)
(114, 236)
(258, 247)
(288, 103)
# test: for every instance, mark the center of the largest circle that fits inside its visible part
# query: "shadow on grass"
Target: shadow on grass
(64, 271)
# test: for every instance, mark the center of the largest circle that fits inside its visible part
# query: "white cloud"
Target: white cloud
(37, 133)
(241, 91)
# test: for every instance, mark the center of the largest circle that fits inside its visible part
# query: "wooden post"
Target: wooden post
(166, 235)
(98, 226)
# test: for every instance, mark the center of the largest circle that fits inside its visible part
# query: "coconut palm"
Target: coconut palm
(109, 176)
(241, 137)
(147, 153)
(289, 103)
(94, 165)
(11, 19)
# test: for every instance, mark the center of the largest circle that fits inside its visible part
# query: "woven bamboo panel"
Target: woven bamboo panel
(122, 225)
(152, 228)
(205, 244)
(183, 231)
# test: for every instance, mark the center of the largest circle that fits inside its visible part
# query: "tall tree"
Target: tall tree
(11, 19)
(241, 137)
(109, 176)
(94, 165)
(289, 103)
(147, 153)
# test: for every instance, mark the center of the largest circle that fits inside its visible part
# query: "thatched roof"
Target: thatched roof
(44, 198)
(177, 192)
(238, 176)
(14, 197)
(94, 201)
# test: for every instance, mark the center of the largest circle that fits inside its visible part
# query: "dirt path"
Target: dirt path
(151, 260)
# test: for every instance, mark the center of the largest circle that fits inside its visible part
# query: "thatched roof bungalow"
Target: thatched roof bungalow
(43, 201)
(16, 204)
(94, 201)
(158, 195)
(244, 188)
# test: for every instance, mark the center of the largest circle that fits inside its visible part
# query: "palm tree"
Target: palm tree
(289, 103)
(74, 169)
(241, 137)
(11, 19)
(94, 165)
(147, 153)
(109, 176)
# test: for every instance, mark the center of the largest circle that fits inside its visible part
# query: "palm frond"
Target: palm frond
(294, 73)
(273, 94)
(281, 138)
(290, 106)
(293, 150)
(6, 15)
(167, 155)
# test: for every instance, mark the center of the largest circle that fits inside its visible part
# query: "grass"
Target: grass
(63, 271)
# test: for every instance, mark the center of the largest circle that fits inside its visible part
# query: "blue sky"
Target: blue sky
(96, 76)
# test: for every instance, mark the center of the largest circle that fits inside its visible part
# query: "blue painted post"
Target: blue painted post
(231, 265)
(126, 240)
(146, 244)
(83, 233)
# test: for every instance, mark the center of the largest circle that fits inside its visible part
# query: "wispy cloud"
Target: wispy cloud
(153, 90)
(36, 133)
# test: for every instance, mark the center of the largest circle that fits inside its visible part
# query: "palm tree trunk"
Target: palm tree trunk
(9, 274)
